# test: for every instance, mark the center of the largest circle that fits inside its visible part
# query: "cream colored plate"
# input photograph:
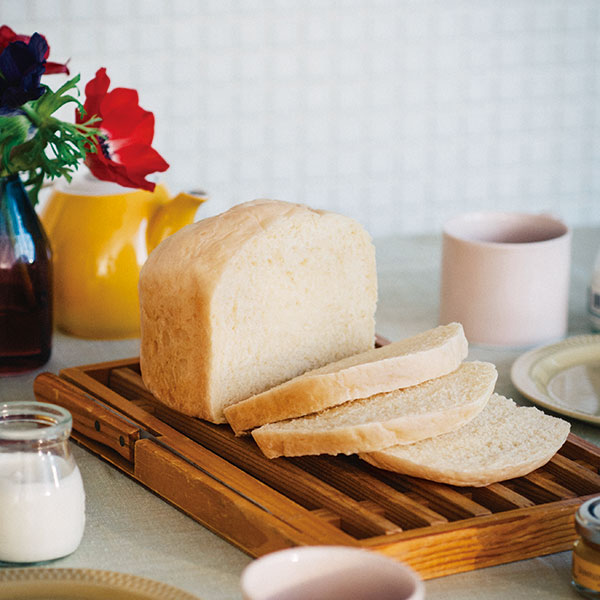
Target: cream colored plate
(563, 377)
(82, 584)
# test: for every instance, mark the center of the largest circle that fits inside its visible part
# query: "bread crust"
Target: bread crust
(169, 302)
(311, 393)
(368, 437)
(455, 477)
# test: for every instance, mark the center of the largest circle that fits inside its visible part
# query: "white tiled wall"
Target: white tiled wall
(397, 112)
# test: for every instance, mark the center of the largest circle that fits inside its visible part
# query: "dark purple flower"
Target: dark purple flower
(21, 68)
(8, 36)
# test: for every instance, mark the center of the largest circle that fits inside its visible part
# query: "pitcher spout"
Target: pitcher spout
(172, 216)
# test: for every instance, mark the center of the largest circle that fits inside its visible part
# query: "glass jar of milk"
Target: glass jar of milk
(42, 501)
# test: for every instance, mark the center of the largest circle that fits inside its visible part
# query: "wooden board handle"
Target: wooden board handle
(91, 417)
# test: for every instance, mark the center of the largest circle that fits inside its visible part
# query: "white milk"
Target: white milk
(42, 507)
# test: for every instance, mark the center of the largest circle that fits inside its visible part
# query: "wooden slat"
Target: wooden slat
(102, 371)
(335, 520)
(327, 515)
(497, 497)
(443, 499)
(129, 383)
(574, 476)
(540, 488)
(578, 448)
(373, 507)
(344, 475)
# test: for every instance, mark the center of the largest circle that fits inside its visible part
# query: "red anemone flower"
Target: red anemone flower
(123, 149)
(8, 36)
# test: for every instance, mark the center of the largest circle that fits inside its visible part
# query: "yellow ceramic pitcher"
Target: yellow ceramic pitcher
(101, 234)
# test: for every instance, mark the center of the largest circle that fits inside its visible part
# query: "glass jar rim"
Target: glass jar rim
(49, 421)
(587, 520)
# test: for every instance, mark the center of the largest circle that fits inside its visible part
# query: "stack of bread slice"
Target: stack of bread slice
(414, 407)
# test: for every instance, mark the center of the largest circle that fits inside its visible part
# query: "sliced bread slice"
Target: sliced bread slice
(502, 442)
(402, 416)
(401, 364)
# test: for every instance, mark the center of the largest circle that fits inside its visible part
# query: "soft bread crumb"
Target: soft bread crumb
(502, 442)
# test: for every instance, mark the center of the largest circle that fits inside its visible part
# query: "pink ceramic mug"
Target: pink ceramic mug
(329, 573)
(505, 277)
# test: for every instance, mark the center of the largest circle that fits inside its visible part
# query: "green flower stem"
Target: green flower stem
(41, 146)
(32, 115)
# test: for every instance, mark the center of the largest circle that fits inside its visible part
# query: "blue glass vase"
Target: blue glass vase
(25, 282)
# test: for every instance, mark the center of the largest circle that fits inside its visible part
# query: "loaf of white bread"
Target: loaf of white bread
(238, 303)
(264, 316)
(398, 365)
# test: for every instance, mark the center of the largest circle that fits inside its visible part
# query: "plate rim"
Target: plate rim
(102, 577)
(520, 369)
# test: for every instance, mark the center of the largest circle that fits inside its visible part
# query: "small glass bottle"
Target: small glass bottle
(42, 501)
(586, 551)
(25, 282)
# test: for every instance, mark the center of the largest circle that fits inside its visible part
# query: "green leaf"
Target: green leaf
(34, 142)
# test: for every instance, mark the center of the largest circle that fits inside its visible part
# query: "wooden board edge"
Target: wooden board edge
(234, 518)
(491, 541)
(98, 371)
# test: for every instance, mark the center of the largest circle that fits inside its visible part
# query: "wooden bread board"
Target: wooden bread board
(262, 505)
